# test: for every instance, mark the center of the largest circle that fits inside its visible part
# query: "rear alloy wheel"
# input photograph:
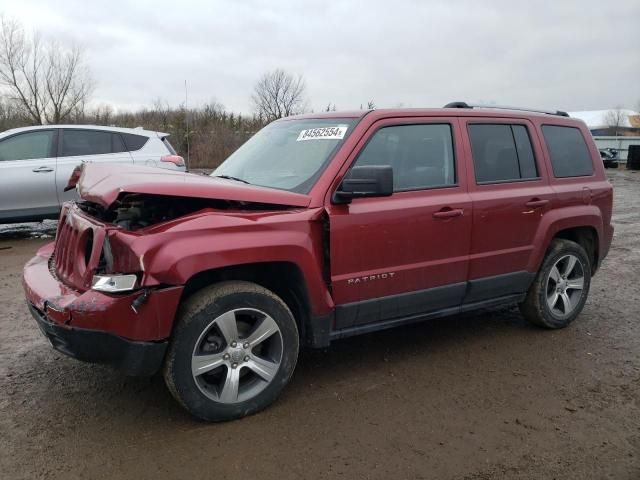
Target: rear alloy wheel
(565, 283)
(233, 351)
(558, 293)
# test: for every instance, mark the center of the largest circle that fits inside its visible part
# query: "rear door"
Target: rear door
(77, 146)
(407, 254)
(510, 191)
(27, 175)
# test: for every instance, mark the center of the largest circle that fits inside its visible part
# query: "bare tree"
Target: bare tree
(68, 83)
(615, 119)
(103, 114)
(278, 94)
(48, 80)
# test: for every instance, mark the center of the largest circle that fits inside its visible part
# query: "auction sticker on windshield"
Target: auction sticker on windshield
(323, 133)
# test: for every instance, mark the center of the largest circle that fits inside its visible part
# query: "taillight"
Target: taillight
(177, 160)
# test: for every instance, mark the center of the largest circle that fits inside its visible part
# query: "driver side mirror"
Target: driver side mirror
(365, 181)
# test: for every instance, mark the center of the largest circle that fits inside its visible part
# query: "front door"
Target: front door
(407, 254)
(28, 175)
(79, 146)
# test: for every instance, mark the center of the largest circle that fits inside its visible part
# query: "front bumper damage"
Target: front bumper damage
(98, 327)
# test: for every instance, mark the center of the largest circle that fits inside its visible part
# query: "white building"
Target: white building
(607, 134)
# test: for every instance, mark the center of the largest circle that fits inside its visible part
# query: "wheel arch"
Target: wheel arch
(283, 278)
(581, 224)
(587, 237)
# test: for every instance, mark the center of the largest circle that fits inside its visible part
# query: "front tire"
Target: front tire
(558, 293)
(234, 349)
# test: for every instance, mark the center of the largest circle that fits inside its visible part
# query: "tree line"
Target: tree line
(46, 82)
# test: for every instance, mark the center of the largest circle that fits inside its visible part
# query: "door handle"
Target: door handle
(448, 213)
(42, 169)
(536, 203)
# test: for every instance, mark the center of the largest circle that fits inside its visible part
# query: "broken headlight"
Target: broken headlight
(114, 283)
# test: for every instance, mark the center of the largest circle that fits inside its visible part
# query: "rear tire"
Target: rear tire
(234, 349)
(558, 293)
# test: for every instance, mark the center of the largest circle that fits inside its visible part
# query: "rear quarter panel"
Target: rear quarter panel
(584, 201)
(150, 154)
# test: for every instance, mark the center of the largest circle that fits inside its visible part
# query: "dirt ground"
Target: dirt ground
(478, 396)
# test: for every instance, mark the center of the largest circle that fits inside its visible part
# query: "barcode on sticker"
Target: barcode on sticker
(323, 133)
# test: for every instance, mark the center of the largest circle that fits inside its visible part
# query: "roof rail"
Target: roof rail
(505, 107)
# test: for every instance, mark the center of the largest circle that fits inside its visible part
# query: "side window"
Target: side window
(526, 158)
(134, 142)
(25, 146)
(568, 151)
(502, 153)
(85, 142)
(117, 145)
(421, 155)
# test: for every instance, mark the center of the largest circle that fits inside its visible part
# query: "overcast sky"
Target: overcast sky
(571, 55)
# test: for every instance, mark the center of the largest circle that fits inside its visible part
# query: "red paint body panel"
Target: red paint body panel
(496, 233)
(96, 310)
(175, 251)
(504, 227)
(399, 235)
(100, 183)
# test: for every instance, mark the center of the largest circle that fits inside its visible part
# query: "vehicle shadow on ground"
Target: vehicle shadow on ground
(94, 393)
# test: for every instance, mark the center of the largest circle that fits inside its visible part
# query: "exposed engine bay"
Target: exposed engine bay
(133, 211)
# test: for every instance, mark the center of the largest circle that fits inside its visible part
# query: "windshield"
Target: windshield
(289, 155)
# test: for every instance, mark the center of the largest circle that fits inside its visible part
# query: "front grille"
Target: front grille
(73, 252)
(66, 249)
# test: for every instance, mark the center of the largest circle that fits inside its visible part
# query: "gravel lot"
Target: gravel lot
(479, 396)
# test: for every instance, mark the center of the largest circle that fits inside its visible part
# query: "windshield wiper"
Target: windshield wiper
(229, 177)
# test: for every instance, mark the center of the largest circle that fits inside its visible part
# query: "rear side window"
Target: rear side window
(85, 142)
(117, 145)
(134, 142)
(421, 155)
(568, 151)
(502, 153)
(25, 146)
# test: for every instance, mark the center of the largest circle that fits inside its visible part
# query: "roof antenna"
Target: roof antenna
(186, 119)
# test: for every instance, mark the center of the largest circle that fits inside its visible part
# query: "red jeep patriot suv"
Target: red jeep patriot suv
(320, 227)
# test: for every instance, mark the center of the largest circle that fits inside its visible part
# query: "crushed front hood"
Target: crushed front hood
(103, 183)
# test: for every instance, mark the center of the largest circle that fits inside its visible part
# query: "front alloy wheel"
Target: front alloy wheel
(237, 356)
(233, 350)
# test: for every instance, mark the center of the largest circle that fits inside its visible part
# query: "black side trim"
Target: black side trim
(401, 305)
(129, 356)
(373, 327)
(498, 286)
